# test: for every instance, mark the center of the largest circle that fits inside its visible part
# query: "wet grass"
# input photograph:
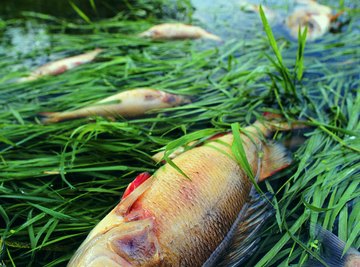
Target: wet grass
(57, 181)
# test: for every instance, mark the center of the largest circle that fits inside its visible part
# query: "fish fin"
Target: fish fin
(146, 34)
(211, 36)
(126, 203)
(275, 158)
(50, 117)
(242, 240)
(271, 122)
(142, 177)
(331, 251)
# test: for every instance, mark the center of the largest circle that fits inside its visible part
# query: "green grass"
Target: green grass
(57, 181)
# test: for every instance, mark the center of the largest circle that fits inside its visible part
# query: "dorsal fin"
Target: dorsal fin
(242, 240)
(275, 158)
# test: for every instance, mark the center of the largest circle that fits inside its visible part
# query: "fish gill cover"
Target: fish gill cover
(57, 181)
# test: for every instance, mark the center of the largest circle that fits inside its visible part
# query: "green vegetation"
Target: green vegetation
(57, 181)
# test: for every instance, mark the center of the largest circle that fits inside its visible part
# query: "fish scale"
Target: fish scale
(202, 178)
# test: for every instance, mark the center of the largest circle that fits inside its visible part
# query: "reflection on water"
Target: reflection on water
(29, 42)
(28, 39)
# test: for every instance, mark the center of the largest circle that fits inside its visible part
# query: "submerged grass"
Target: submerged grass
(57, 181)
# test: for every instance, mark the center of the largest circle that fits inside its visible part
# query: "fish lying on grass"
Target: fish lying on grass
(315, 16)
(59, 66)
(331, 251)
(127, 104)
(177, 31)
(167, 219)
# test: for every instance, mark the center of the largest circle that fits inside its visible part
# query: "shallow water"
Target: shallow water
(223, 18)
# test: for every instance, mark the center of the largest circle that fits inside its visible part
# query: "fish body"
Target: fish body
(128, 104)
(59, 66)
(315, 16)
(171, 220)
(177, 31)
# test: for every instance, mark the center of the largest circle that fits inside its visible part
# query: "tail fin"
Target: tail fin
(332, 249)
(50, 117)
(212, 37)
(275, 158)
(272, 122)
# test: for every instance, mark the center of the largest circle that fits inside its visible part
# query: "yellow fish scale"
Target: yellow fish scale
(193, 215)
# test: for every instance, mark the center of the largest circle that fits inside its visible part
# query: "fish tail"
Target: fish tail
(145, 34)
(274, 159)
(272, 122)
(332, 251)
(213, 37)
(51, 117)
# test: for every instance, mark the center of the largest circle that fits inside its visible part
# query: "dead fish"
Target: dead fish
(166, 219)
(128, 104)
(59, 66)
(177, 31)
(315, 16)
(331, 251)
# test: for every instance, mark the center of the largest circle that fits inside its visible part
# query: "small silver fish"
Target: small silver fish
(177, 31)
(59, 66)
(130, 103)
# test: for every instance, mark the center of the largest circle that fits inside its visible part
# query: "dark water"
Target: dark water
(104, 8)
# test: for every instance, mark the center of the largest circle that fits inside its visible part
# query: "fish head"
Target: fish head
(123, 245)
(317, 23)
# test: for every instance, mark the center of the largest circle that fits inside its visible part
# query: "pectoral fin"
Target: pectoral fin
(126, 202)
(242, 240)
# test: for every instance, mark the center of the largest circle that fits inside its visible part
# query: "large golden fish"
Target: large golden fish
(169, 220)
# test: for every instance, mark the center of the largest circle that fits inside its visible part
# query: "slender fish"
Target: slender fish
(62, 65)
(166, 219)
(130, 103)
(177, 31)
